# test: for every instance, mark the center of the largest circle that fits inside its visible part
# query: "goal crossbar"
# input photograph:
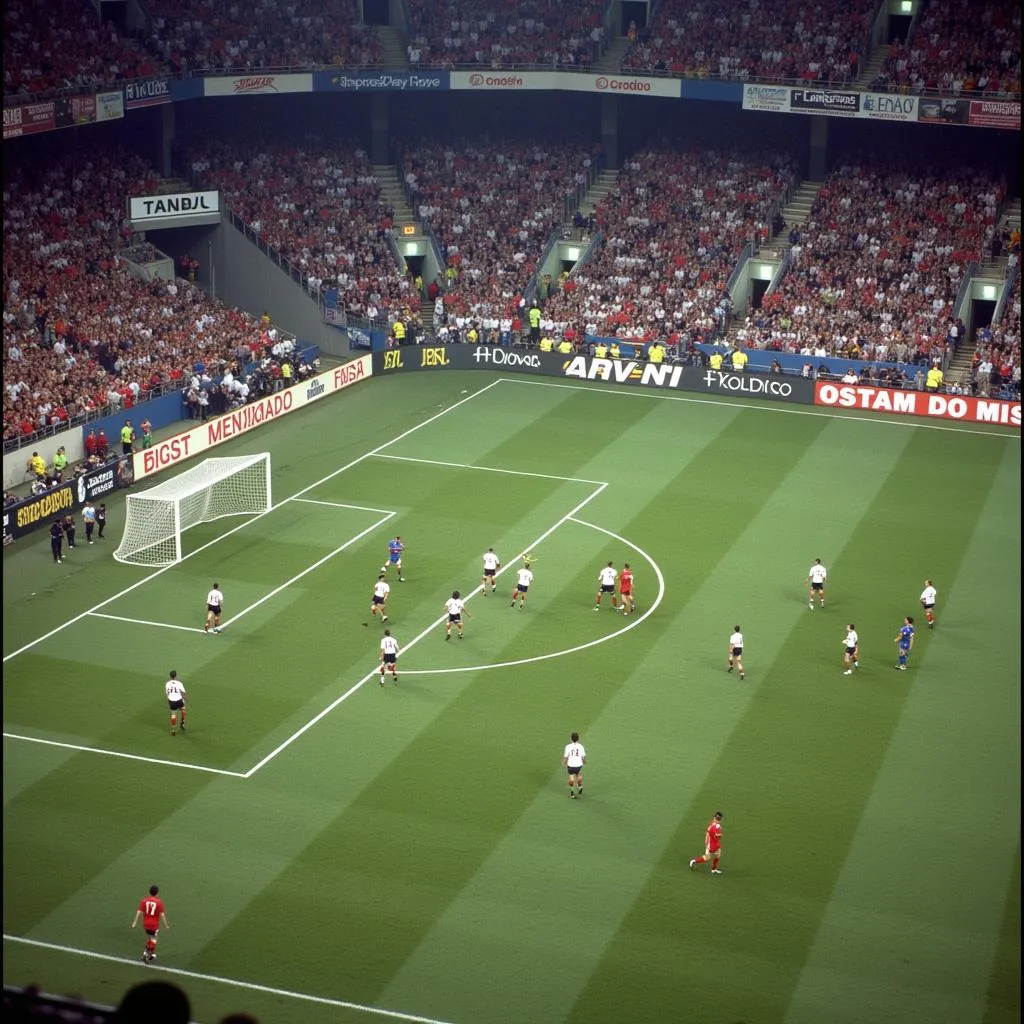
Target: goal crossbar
(156, 518)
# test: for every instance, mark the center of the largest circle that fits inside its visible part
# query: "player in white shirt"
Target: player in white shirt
(456, 608)
(736, 651)
(214, 607)
(816, 576)
(175, 690)
(851, 650)
(389, 652)
(606, 578)
(491, 567)
(574, 758)
(524, 577)
(928, 596)
(381, 589)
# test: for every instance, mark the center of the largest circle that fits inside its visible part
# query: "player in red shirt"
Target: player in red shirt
(151, 910)
(712, 845)
(626, 589)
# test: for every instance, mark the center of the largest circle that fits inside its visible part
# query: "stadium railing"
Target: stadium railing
(1012, 274)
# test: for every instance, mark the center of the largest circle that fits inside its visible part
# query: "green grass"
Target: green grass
(413, 849)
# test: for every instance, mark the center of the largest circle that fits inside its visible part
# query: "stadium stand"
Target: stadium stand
(995, 369)
(959, 49)
(319, 205)
(504, 33)
(63, 45)
(878, 265)
(81, 335)
(689, 212)
(209, 35)
(493, 205)
(754, 40)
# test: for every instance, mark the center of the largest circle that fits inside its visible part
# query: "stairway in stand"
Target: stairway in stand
(610, 62)
(392, 194)
(598, 192)
(872, 66)
(392, 45)
(795, 213)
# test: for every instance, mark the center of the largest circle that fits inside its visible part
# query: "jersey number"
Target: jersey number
(150, 908)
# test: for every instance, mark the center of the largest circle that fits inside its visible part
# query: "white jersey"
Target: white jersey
(575, 755)
(928, 595)
(381, 589)
(215, 597)
(524, 577)
(389, 645)
(455, 605)
(851, 638)
(736, 640)
(491, 561)
(607, 576)
(817, 573)
(174, 689)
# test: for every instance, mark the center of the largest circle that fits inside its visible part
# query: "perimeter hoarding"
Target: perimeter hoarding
(257, 85)
(963, 408)
(380, 81)
(871, 106)
(566, 81)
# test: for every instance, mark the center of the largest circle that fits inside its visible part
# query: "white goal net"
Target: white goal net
(156, 519)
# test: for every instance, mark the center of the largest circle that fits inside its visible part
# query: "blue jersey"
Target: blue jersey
(906, 635)
(395, 549)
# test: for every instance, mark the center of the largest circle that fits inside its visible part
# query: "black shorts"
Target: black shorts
(175, 705)
(927, 606)
(817, 586)
(378, 600)
(214, 608)
(490, 572)
(454, 618)
(390, 659)
(607, 588)
(521, 589)
(737, 652)
(851, 651)
(152, 932)
(575, 770)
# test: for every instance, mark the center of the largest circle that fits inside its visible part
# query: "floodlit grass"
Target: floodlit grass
(413, 850)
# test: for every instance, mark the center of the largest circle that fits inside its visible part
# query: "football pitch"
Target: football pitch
(331, 851)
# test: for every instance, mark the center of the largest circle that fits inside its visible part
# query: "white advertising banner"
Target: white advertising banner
(257, 85)
(208, 435)
(566, 81)
(164, 211)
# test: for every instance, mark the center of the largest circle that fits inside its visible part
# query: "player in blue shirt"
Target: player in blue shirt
(905, 642)
(395, 549)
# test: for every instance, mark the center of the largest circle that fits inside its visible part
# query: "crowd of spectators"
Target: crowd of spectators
(319, 206)
(505, 33)
(211, 35)
(492, 204)
(877, 267)
(64, 44)
(671, 232)
(755, 40)
(80, 333)
(958, 49)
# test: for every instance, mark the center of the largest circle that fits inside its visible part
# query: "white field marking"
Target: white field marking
(145, 622)
(121, 753)
(341, 504)
(309, 569)
(491, 469)
(250, 986)
(374, 672)
(247, 522)
(635, 392)
(580, 647)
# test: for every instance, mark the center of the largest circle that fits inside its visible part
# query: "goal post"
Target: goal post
(155, 519)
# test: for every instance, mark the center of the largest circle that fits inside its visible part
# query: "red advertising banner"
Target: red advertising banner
(964, 408)
(995, 114)
(29, 118)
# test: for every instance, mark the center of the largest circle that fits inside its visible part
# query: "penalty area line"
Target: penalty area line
(492, 469)
(79, 748)
(216, 979)
(145, 622)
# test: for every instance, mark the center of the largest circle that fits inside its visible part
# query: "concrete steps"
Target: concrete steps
(610, 62)
(872, 66)
(392, 192)
(796, 213)
(598, 192)
(392, 45)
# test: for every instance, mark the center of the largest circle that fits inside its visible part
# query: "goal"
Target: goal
(156, 519)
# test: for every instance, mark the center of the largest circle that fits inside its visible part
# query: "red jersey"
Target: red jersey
(151, 908)
(626, 581)
(714, 835)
